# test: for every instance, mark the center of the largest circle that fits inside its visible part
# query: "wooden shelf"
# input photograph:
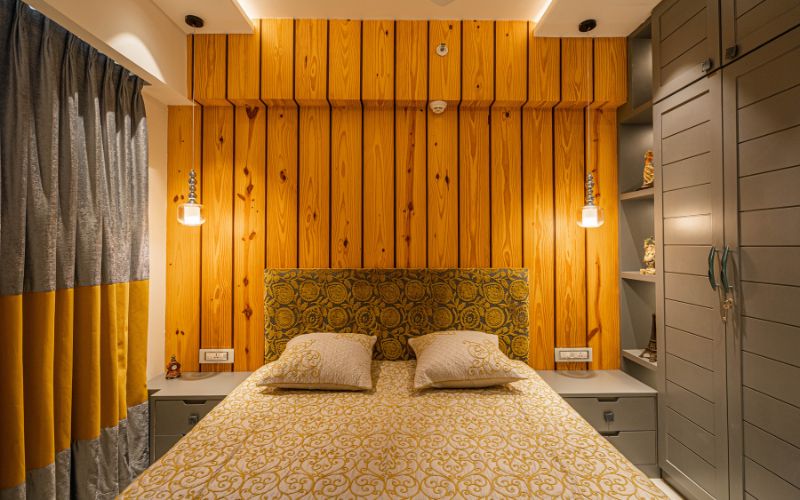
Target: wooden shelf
(633, 355)
(637, 276)
(640, 115)
(639, 194)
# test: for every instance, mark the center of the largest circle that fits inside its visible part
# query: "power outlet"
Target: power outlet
(216, 356)
(573, 354)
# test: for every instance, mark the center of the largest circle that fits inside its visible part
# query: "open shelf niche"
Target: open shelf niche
(636, 215)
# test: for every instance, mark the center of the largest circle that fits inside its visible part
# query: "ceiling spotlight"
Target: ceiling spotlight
(194, 21)
(587, 25)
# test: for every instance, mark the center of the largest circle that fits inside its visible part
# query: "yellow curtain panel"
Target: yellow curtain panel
(73, 262)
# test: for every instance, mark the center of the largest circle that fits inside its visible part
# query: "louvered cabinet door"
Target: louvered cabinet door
(747, 24)
(685, 43)
(691, 366)
(761, 105)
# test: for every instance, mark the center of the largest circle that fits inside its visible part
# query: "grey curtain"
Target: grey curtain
(73, 265)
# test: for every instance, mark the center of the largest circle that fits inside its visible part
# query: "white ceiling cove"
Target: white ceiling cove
(394, 9)
(614, 17)
(220, 16)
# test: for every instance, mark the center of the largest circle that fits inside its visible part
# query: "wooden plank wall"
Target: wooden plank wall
(316, 147)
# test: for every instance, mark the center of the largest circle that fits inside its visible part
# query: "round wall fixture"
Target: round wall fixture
(441, 49)
(587, 25)
(194, 21)
(438, 107)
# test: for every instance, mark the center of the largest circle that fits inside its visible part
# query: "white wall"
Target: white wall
(157, 173)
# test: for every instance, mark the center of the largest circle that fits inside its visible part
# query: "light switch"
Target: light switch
(216, 356)
(573, 354)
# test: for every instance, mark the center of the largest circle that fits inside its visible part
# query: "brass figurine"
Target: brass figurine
(649, 259)
(649, 173)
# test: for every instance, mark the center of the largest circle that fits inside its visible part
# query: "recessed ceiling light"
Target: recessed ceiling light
(194, 21)
(587, 25)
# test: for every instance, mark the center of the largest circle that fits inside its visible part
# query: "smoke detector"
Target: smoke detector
(438, 107)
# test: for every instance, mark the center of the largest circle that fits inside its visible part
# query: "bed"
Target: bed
(518, 440)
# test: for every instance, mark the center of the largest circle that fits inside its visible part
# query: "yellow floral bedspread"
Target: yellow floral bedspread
(517, 441)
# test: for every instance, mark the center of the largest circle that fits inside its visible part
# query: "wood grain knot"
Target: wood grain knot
(247, 312)
(283, 175)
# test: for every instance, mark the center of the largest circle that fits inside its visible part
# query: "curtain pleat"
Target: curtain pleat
(73, 251)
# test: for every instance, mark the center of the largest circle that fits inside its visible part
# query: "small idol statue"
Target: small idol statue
(649, 259)
(649, 171)
(173, 368)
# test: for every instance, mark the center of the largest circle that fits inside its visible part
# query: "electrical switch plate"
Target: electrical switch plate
(216, 356)
(573, 354)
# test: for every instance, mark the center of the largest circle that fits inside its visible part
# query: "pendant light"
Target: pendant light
(591, 215)
(191, 212)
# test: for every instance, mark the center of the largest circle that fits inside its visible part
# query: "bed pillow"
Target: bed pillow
(326, 361)
(462, 359)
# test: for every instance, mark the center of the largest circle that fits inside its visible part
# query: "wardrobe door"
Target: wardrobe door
(685, 43)
(746, 24)
(688, 201)
(761, 100)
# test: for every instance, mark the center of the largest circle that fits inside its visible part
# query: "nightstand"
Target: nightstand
(177, 405)
(621, 408)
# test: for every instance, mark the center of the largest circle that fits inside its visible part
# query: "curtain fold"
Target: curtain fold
(73, 262)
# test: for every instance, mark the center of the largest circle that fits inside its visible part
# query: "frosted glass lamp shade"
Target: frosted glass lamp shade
(590, 216)
(191, 214)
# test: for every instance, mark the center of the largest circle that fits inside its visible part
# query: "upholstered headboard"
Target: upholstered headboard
(396, 304)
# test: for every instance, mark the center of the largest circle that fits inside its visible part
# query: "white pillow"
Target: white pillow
(327, 361)
(462, 359)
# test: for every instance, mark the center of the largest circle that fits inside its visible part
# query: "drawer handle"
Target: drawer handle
(609, 433)
(194, 401)
(608, 416)
(608, 400)
(193, 419)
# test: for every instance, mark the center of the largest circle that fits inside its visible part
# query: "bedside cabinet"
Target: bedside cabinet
(177, 405)
(621, 408)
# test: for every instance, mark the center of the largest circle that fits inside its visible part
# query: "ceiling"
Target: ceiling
(554, 18)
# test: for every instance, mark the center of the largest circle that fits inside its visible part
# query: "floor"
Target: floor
(663, 486)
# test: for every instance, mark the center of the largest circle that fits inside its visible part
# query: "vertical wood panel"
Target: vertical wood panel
(511, 76)
(411, 67)
(378, 187)
(281, 187)
(311, 62)
(506, 188)
(210, 63)
(602, 254)
(244, 54)
(576, 72)
(474, 182)
(344, 84)
(314, 178)
(477, 86)
(443, 189)
(544, 71)
(217, 233)
(410, 185)
(611, 80)
(277, 61)
(570, 238)
(444, 71)
(182, 322)
(538, 234)
(377, 68)
(346, 187)
(248, 237)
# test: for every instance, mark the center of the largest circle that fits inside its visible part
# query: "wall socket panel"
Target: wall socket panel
(216, 356)
(573, 354)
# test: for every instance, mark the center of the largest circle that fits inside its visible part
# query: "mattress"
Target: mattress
(519, 440)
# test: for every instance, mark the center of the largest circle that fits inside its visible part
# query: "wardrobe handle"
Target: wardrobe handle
(724, 268)
(711, 280)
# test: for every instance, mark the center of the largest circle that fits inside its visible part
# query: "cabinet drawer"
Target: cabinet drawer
(626, 414)
(639, 446)
(177, 417)
(161, 445)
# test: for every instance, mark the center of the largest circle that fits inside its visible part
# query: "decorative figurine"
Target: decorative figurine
(651, 351)
(649, 259)
(173, 368)
(649, 171)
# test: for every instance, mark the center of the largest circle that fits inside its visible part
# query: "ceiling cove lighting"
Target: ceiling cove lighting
(544, 8)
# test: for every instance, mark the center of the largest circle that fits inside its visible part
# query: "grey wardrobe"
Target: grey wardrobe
(727, 200)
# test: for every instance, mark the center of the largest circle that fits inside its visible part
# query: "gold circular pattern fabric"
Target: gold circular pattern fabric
(395, 305)
(516, 441)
